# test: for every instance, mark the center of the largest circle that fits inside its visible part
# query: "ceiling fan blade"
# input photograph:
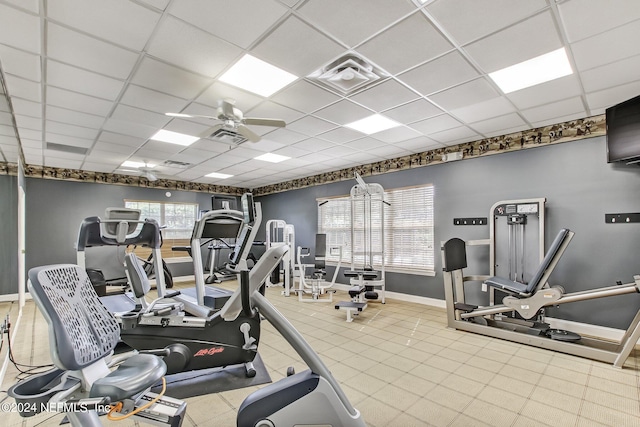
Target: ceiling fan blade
(151, 177)
(248, 133)
(264, 122)
(207, 133)
(189, 116)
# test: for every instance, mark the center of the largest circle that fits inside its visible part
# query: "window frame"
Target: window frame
(390, 213)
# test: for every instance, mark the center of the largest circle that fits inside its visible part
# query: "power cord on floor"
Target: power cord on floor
(30, 369)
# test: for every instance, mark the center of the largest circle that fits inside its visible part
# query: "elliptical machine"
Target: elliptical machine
(198, 337)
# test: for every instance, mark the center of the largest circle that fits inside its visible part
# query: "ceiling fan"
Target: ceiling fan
(233, 120)
(145, 171)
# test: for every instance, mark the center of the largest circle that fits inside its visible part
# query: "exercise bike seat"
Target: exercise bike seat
(134, 375)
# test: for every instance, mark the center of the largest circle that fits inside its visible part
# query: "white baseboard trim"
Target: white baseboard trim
(433, 302)
(14, 297)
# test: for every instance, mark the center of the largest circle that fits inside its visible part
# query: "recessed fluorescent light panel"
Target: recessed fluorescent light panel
(218, 175)
(372, 124)
(132, 164)
(174, 137)
(257, 76)
(543, 68)
(273, 158)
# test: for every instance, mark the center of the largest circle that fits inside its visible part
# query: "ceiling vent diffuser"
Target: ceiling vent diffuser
(348, 74)
(227, 136)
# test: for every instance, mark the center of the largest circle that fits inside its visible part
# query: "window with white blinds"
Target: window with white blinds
(408, 222)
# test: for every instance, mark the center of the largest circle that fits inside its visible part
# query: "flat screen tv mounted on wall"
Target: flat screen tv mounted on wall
(623, 131)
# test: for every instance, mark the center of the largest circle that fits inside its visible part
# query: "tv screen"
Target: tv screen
(224, 202)
(623, 131)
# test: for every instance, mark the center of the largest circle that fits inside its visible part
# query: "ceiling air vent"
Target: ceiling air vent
(176, 164)
(227, 136)
(67, 148)
(348, 74)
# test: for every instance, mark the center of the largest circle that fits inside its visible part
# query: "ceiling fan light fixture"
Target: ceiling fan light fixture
(257, 76)
(174, 137)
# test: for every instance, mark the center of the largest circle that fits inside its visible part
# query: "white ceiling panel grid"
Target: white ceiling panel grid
(101, 76)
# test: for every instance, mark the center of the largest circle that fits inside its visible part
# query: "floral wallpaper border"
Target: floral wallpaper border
(553, 134)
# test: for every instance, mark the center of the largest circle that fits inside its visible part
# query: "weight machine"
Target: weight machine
(279, 233)
(367, 232)
(315, 284)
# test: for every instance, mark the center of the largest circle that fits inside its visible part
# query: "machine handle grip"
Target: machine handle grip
(248, 311)
(172, 294)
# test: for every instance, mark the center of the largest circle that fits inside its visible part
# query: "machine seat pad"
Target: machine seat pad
(133, 376)
(354, 291)
(506, 284)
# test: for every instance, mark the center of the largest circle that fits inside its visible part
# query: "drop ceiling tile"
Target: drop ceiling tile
(607, 47)
(77, 101)
(97, 167)
(222, 161)
(499, 124)
(151, 100)
(565, 87)
(305, 96)
(343, 112)
(340, 135)
(26, 133)
(484, 110)
(395, 135)
(310, 126)
(208, 145)
(188, 175)
(69, 140)
(29, 5)
(285, 136)
(292, 151)
(362, 158)
(612, 96)
(334, 164)
(266, 146)
(339, 151)
(413, 111)
(337, 17)
(158, 4)
(364, 144)
(419, 145)
(607, 15)
(7, 130)
(6, 118)
(436, 124)
(272, 110)
(390, 151)
(193, 155)
(562, 119)
(224, 19)
(129, 128)
(613, 74)
(316, 158)
(86, 82)
(555, 109)
(86, 52)
(18, 62)
(19, 29)
(480, 18)
(528, 39)
(219, 91)
(31, 143)
(446, 71)
(77, 118)
(313, 145)
(71, 130)
(191, 48)
(107, 157)
(49, 154)
(385, 95)
(21, 88)
(119, 21)
(246, 151)
(455, 136)
(162, 148)
(473, 92)
(12, 141)
(26, 108)
(120, 139)
(407, 43)
(62, 163)
(26, 122)
(187, 127)
(297, 48)
(137, 115)
(165, 78)
(110, 147)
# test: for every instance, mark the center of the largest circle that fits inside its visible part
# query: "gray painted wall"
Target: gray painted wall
(9, 236)
(55, 210)
(580, 188)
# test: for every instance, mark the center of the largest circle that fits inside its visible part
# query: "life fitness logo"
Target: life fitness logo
(209, 351)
